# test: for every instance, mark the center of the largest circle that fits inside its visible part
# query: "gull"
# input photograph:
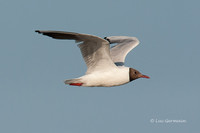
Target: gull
(105, 65)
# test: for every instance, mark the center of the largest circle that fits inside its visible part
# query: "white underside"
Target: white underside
(113, 77)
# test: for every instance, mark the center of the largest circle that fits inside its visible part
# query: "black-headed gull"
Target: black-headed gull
(105, 65)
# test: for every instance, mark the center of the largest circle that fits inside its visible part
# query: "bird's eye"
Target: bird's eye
(135, 72)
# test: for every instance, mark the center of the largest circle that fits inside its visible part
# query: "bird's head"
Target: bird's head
(135, 74)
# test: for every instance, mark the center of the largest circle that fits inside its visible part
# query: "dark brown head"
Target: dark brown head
(134, 74)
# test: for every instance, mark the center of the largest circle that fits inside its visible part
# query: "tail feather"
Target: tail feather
(72, 81)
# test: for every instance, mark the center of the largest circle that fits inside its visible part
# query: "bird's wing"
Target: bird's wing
(124, 46)
(95, 50)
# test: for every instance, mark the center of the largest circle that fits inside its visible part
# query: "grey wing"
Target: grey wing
(95, 50)
(124, 46)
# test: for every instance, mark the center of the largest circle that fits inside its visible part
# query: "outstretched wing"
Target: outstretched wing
(95, 50)
(124, 45)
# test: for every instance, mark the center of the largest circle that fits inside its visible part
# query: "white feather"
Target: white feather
(124, 45)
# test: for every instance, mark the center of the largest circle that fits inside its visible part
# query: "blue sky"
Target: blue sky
(34, 99)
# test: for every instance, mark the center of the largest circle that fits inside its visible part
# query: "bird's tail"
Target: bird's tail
(75, 82)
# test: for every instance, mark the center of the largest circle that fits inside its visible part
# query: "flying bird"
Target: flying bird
(105, 65)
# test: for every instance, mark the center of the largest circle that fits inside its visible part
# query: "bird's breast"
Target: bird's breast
(113, 77)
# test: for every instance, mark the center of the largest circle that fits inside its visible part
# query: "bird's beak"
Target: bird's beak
(144, 76)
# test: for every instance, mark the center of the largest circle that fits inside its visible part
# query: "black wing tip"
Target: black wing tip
(107, 39)
(38, 31)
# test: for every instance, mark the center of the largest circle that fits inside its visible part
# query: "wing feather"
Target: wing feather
(124, 46)
(95, 50)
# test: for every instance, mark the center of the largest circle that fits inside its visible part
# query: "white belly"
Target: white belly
(113, 77)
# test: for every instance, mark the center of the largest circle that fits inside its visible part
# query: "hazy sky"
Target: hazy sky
(34, 99)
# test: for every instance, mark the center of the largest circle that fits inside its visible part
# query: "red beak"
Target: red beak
(144, 76)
